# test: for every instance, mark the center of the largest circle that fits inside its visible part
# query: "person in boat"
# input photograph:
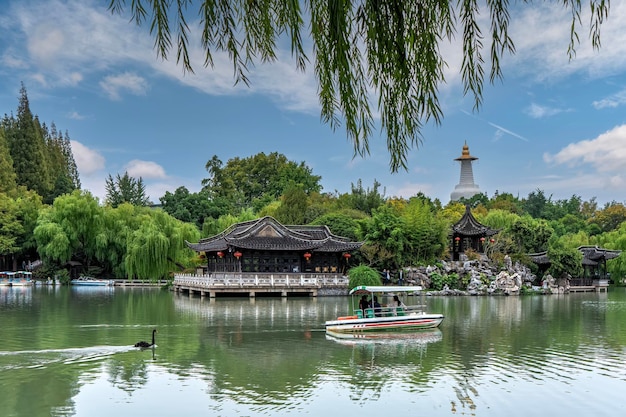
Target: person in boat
(397, 305)
(377, 307)
(364, 304)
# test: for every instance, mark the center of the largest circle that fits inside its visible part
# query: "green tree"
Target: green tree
(193, 207)
(359, 198)
(244, 181)
(393, 47)
(10, 229)
(125, 189)
(293, 205)
(564, 261)
(68, 229)
(7, 173)
(386, 231)
(530, 235)
(157, 246)
(611, 217)
(24, 135)
(425, 233)
(61, 164)
(344, 223)
(363, 275)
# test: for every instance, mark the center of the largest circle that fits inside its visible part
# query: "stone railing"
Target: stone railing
(225, 280)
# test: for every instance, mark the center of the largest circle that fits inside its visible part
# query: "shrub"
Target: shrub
(363, 275)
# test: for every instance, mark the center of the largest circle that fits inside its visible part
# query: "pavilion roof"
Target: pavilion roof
(267, 233)
(469, 226)
(591, 255)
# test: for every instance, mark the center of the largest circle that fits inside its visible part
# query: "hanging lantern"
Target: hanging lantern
(482, 239)
(457, 239)
(220, 254)
(307, 256)
(237, 254)
(492, 240)
(347, 255)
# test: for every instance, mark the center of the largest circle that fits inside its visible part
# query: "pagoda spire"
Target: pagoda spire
(466, 188)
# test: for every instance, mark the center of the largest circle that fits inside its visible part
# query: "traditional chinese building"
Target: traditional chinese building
(266, 246)
(469, 233)
(594, 263)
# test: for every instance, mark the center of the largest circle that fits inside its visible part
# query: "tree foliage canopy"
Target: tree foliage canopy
(390, 47)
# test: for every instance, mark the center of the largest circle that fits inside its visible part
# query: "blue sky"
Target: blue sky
(551, 124)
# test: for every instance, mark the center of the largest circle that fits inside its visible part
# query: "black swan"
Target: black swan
(143, 344)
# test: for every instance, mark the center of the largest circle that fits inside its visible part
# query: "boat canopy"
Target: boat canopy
(369, 289)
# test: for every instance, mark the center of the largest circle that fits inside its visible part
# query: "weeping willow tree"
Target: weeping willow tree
(390, 47)
(67, 230)
(158, 245)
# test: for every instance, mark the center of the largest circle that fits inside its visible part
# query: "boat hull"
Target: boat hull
(378, 324)
(91, 282)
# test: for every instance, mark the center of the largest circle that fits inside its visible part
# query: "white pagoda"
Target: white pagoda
(466, 188)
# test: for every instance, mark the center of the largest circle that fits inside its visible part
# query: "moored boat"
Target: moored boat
(398, 311)
(92, 282)
(20, 278)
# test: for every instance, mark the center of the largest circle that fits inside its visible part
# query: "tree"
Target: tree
(68, 229)
(157, 245)
(362, 199)
(7, 173)
(243, 181)
(193, 207)
(125, 189)
(293, 205)
(392, 47)
(24, 135)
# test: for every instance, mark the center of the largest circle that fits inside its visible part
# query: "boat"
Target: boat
(409, 316)
(92, 282)
(20, 278)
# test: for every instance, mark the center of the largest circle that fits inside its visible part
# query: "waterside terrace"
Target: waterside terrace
(253, 284)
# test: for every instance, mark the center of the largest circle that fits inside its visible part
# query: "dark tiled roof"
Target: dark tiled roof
(267, 233)
(591, 255)
(469, 226)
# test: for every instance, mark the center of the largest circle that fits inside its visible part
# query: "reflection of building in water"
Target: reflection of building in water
(466, 188)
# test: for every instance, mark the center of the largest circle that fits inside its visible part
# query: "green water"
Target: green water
(68, 352)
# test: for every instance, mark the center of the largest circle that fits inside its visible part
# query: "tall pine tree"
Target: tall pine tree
(7, 174)
(28, 149)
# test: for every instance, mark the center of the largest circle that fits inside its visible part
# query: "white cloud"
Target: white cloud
(113, 85)
(145, 169)
(75, 115)
(606, 153)
(614, 100)
(537, 111)
(87, 160)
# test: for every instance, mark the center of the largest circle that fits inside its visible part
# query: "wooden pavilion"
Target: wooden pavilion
(266, 246)
(469, 233)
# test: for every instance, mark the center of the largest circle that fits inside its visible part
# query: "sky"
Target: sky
(551, 124)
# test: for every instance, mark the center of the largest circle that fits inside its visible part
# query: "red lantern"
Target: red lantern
(492, 240)
(220, 254)
(237, 254)
(307, 256)
(482, 239)
(457, 238)
(347, 255)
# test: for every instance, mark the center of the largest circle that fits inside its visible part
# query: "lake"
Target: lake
(67, 351)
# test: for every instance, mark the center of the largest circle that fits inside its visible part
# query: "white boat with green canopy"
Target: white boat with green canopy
(384, 308)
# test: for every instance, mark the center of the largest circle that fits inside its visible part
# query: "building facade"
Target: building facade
(266, 246)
